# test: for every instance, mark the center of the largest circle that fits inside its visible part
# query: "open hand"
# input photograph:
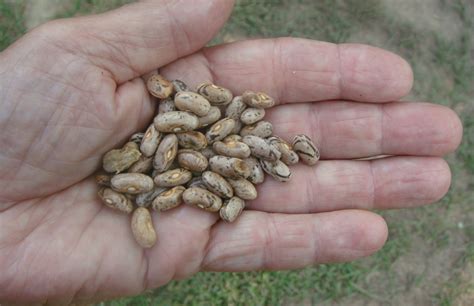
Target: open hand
(71, 90)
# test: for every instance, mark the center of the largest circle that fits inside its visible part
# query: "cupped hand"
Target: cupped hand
(71, 90)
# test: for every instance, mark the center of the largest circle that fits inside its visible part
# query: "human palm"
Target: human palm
(71, 90)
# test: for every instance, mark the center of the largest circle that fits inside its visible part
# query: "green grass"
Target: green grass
(444, 73)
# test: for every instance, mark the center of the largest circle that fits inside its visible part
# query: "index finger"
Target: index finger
(300, 70)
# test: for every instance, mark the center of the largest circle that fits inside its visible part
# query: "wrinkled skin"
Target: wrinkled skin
(71, 90)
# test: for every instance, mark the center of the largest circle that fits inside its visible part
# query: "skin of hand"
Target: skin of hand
(71, 90)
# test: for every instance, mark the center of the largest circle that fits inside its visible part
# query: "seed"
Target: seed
(118, 160)
(103, 179)
(232, 209)
(215, 94)
(142, 165)
(159, 87)
(136, 138)
(243, 189)
(115, 200)
(146, 198)
(277, 169)
(166, 153)
(229, 166)
(175, 122)
(208, 152)
(261, 129)
(257, 100)
(168, 199)
(192, 140)
(252, 115)
(192, 160)
(232, 137)
(260, 148)
(150, 141)
(202, 198)
(179, 86)
(220, 130)
(173, 178)
(196, 182)
(232, 149)
(288, 156)
(132, 183)
(305, 148)
(257, 176)
(142, 228)
(217, 184)
(212, 116)
(166, 106)
(193, 102)
(235, 108)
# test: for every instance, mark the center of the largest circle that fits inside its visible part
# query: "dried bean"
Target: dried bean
(277, 169)
(166, 153)
(288, 156)
(235, 108)
(202, 198)
(220, 130)
(179, 86)
(192, 160)
(173, 178)
(150, 141)
(146, 198)
(217, 95)
(229, 166)
(118, 160)
(260, 148)
(252, 115)
(115, 200)
(232, 149)
(175, 122)
(192, 140)
(132, 183)
(217, 184)
(261, 129)
(142, 165)
(142, 228)
(232, 209)
(212, 116)
(257, 99)
(159, 87)
(168, 199)
(257, 176)
(166, 106)
(243, 189)
(305, 148)
(193, 102)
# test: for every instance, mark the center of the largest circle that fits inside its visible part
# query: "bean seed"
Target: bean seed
(146, 198)
(260, 148)
(193, 102)
(277, 169)
(252, 115)
(235, 108)
(232, 149)
(103, 179)
(305, 148)
(142, 165)
(192, 140)
(166, 106)
(232, 209)
(202, 198)
(115, 200)
(132, 183)
(168, 199)
(217, 184)
(237, 127)
(220, 130)
(192, 160)
(136, 138)
(257, 176)
(179, 86)
(215, 94)
(232, 137)
(118, 160)
(212, 116)
(243, 189)
(257, 100)
(208, 152)
(229, 166)
(196, 182)
(159, 87)
(288, 156)
(166, 152)
(175, 122)
(150, 141)
(261, 129)
(173, 178)
(142, 228)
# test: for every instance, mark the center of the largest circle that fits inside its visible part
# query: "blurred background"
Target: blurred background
(429, 256)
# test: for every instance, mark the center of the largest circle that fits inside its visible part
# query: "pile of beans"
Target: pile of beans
(206, 149)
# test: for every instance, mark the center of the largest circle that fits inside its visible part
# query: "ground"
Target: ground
(429, 257)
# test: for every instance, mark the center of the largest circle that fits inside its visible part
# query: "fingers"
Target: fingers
(298, 70)
(394, 182)
(355, 130)
(140, 37)
(259, 240)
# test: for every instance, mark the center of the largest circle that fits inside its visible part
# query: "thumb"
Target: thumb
(140, 37)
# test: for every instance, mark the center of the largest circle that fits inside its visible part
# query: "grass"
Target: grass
(443, 66)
